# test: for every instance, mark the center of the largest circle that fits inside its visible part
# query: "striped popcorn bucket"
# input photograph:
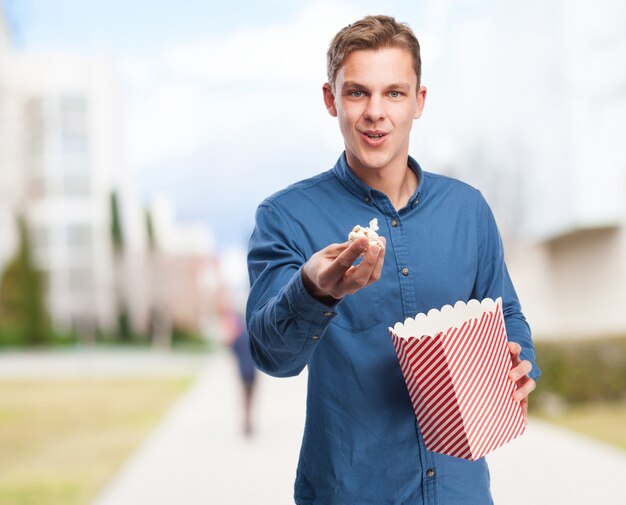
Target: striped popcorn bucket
(455, 363)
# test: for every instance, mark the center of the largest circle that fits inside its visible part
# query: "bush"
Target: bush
(13, 337)
(582, 371)
(10, 336)
(183, 338)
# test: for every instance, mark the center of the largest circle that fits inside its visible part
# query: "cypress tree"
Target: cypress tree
(116, 225)
(22, 294)
(117, 238)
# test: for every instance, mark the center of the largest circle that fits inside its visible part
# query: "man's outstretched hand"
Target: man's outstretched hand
(330, 274)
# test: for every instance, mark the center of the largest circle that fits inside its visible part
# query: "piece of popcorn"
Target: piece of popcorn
(368, 232)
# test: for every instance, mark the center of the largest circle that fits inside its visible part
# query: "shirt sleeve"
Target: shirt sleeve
(284, 321)
(493, 281)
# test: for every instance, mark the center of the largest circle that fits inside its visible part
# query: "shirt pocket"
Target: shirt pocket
(360, 311)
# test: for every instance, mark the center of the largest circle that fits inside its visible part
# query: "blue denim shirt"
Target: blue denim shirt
(361, 443)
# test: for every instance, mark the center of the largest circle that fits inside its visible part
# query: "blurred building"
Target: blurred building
(538, 97)
(180, 272)
(61, 160)
(69, 130)
(578, 270)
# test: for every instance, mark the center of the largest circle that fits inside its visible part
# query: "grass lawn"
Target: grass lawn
(605, 421)
(62, 439)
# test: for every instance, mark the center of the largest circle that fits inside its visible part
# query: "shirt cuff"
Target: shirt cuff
(317, 314)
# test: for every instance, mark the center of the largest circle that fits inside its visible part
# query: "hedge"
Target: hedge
(582, 371)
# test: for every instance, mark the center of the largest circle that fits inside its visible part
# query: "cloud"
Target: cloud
(257, 89)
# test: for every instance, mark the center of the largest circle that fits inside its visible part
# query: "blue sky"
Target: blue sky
(136, 24)
(223, 104)
(122, 25)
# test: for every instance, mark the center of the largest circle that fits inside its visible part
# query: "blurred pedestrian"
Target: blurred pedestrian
(247, 372)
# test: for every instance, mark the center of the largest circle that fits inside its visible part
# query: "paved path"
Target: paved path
(99, 362)
(198, 455)
(550, 466)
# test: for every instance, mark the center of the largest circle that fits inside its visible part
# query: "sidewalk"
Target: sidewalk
(551, 466)
(198, 455)
(98, 362)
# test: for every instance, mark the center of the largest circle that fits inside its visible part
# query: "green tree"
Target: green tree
(150, 230)
(23, 309)
(117, 237)
(124, 328)
(160, 326)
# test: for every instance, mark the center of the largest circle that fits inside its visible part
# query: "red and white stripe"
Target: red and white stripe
(459, 386)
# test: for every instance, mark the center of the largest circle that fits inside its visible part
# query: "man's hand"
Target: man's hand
(329, 274)
(519, 373)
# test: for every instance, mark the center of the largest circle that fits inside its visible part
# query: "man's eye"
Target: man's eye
(356, 94)
(395, 94)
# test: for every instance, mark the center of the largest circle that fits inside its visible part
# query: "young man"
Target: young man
(313, 304)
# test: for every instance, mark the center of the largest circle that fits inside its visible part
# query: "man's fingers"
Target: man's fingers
(519, 373)
(341, 276)
(524, 390)
(514, 348)
(334, 250)
(520, 370)
(361, 275)
(378, 267)
(524, 404)
(344, 261)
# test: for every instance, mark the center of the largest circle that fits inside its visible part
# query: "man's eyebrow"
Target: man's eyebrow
(352, 84)
(399, 85)
(395, 85)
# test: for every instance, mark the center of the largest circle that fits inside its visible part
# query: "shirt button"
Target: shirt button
(328, 314)
(315, 337)
(430, 472)
(367, 198)
(394, 223)
(405, 271)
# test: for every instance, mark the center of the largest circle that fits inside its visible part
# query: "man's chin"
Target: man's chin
(369, 163)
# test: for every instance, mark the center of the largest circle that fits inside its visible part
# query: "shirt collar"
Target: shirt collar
(366, 193)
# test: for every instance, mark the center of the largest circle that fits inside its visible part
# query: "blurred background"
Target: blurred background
(137, 139)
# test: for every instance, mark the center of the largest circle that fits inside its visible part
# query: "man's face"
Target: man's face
(376, 99)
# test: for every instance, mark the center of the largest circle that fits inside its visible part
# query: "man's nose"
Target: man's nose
(375, 109)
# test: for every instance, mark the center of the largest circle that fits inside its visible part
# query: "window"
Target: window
(79, 235)
(75, 186)
(73, 116)
(74, 138)
(80, 279)
(35, 134)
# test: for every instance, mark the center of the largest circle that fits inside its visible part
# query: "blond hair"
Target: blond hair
(372, 32)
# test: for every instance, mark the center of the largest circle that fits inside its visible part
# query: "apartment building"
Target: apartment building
(70, 161)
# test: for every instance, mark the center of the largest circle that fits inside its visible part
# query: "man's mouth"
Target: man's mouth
(374, 138)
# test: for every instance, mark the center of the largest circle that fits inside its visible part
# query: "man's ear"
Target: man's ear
(329, 100)
(421, 100)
